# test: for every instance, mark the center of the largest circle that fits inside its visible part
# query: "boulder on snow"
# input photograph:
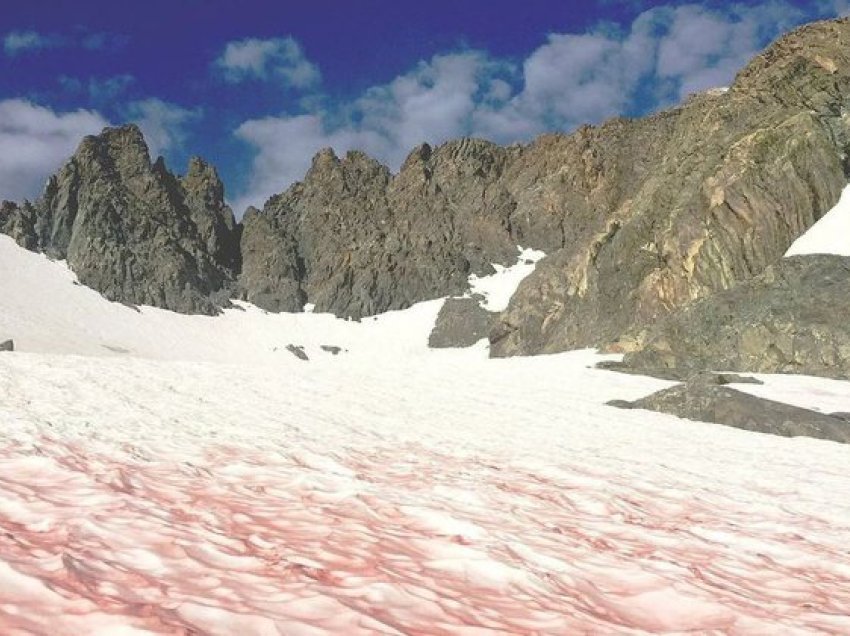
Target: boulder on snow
(704, 400)
(332, 349)
(297, 351)
(7, 345)
(461, 323)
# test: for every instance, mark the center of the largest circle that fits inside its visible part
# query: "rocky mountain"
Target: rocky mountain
(131, 229)
(640, 218)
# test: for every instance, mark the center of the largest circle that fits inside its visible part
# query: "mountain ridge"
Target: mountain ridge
(639, 217)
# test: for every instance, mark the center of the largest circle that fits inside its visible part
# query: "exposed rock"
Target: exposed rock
(132, 230)
(354, 240)
(332, 349)
(708, 402)
(297, 351)
(461, 323)
(790, 319)
(690, 201)
(7, 345)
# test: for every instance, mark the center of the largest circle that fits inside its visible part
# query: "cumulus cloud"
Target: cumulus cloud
(34, 141)
(280, 59)
(702, 49)
(163, 123)
(435, 101)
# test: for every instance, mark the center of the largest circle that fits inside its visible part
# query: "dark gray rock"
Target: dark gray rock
(7, 345)
(132, 230)
(790, 319)
(332, 349)
(705, 401)
(355, 240)
(297, 351)
(461, 323)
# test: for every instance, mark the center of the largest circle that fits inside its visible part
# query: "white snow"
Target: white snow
(831, 233)
(203, 481)
(498, 288)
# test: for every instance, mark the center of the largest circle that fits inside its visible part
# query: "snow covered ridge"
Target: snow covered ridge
(830, 235)
(498, 288)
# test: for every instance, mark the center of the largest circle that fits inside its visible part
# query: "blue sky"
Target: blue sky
(258, 87)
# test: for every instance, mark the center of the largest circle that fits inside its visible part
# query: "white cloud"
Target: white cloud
(702, 49)
(34, 141)
(18, 42)
(434, 102)
(163, 124)
(280, 59)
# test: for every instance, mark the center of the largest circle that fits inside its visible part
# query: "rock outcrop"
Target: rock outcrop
(7, 345)
(792, 318)
(132, 230)
(703, 400)
(354, 240)
(720, 189)
(461, 323)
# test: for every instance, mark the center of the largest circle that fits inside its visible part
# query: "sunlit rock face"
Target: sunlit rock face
(724, 185)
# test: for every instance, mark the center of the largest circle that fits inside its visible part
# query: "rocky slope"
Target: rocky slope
(732, 179)
(132, 230)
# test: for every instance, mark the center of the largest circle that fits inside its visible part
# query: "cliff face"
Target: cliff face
(355, 240)
(736, 178)
(791, 318)
(132, 230)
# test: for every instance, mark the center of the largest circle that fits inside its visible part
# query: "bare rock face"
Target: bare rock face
(723, 186)
(792, 318)
(132, 230)
(354, 240)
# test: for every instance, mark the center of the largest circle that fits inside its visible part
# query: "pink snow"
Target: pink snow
(261, 543)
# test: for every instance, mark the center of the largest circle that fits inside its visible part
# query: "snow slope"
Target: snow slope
(830, 235)
(207, 484)
(498, 288)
